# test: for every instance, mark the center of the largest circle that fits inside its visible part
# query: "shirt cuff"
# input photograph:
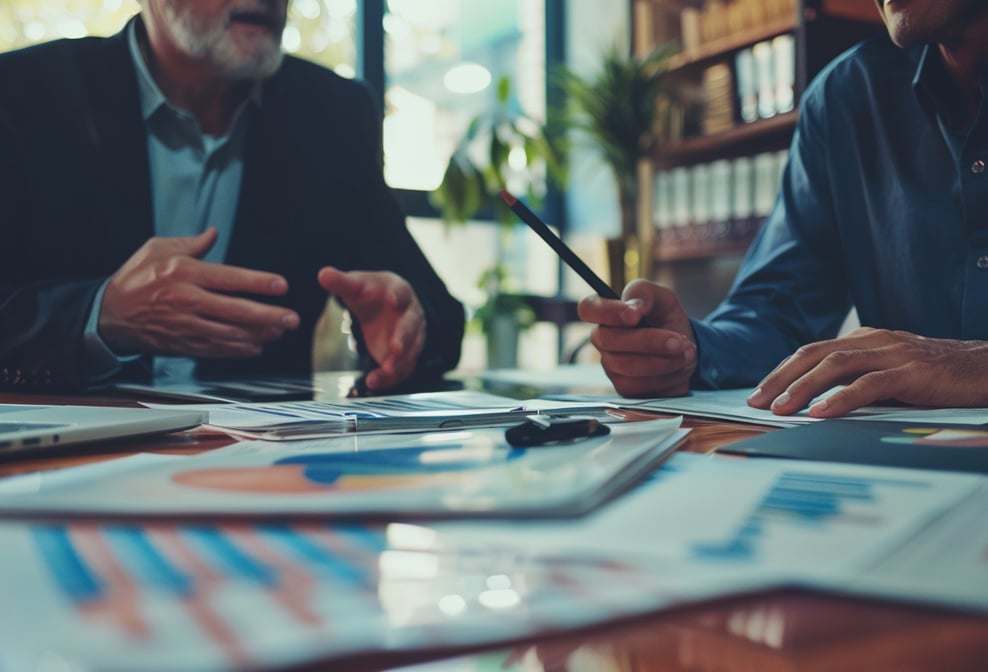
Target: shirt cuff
(708, 374)
(100, 362)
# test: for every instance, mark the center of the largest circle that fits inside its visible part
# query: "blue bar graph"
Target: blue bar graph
(66, 567)
(217, 549)
(144, 563)
(804, 499)
(317, 559)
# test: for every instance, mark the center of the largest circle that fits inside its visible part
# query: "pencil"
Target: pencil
(560, 248)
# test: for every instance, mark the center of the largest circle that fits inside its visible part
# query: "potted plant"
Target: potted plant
(502, 317)
(515, 153)
(622, 110)
(514, 147)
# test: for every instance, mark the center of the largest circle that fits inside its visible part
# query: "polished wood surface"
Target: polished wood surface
(781, 631)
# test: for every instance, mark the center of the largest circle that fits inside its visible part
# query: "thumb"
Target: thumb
(337, 282)
(195, 246)
(659, 306)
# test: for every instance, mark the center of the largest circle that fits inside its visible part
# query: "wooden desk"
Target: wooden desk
(781, 631)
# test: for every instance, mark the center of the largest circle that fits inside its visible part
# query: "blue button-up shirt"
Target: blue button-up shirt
(195, 184)
(883, 207)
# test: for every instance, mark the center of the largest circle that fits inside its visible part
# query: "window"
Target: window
(442, 61)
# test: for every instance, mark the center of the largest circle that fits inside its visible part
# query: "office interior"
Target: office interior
(436, 66)
(738, 69)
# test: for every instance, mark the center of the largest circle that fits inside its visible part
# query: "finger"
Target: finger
(646, 366)
(789, 370)
(866, 390)
(655, 302)
(381, 379)
(674, 383)
(193, 246)
(347, 286)
(236, 280)
(610, 312)
(809, 356)
(398, 365)
(644, 341)
(769, 388)
(229, 309)
(835, 368)
(192, 336)
(411, 327)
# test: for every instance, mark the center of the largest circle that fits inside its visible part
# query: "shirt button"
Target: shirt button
(978, 166)
(982, 262)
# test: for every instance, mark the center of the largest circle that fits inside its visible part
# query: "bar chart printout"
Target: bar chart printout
(125, 597)
(197, 596)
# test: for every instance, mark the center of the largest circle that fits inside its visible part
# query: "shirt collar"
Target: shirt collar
(149, 92)
(930, 82)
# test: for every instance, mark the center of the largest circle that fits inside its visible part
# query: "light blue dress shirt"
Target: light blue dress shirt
(195, 184)
(883, 206)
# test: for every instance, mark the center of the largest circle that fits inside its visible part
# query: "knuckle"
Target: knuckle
(905, 336)
(171, 297)
(173, 267)
(913, 368)
(839, 358)
(801, 351)
(801, 388)
(881, 382)
(808, 350)
(886, 334)
(842, 398)
(906, 351)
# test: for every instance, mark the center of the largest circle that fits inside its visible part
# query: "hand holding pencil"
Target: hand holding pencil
(644, 337)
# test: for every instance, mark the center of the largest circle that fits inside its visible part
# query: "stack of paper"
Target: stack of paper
(430, 411)
(216, 597)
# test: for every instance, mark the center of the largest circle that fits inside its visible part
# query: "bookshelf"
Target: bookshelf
(737, 80)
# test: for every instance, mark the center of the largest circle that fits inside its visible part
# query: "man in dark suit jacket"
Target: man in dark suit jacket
(90, 290)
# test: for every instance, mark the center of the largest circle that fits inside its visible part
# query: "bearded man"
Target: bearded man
(180, 199)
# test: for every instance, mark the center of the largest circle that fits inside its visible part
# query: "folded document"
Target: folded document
(429, 411)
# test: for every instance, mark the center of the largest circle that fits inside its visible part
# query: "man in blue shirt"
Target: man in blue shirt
(883, 207)
(183, 198)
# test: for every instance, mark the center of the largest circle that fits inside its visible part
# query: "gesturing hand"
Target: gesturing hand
(645, 340)
(877, 365)
(391, 320)
(165, 301)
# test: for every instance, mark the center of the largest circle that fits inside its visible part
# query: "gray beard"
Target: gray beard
(212, 44)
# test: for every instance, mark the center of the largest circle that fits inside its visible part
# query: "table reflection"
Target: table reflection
(778, 632)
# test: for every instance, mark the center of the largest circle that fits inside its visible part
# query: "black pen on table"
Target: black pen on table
(569, 256)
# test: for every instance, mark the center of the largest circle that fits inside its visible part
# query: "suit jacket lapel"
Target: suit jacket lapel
(273, 177)
(117, 130)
